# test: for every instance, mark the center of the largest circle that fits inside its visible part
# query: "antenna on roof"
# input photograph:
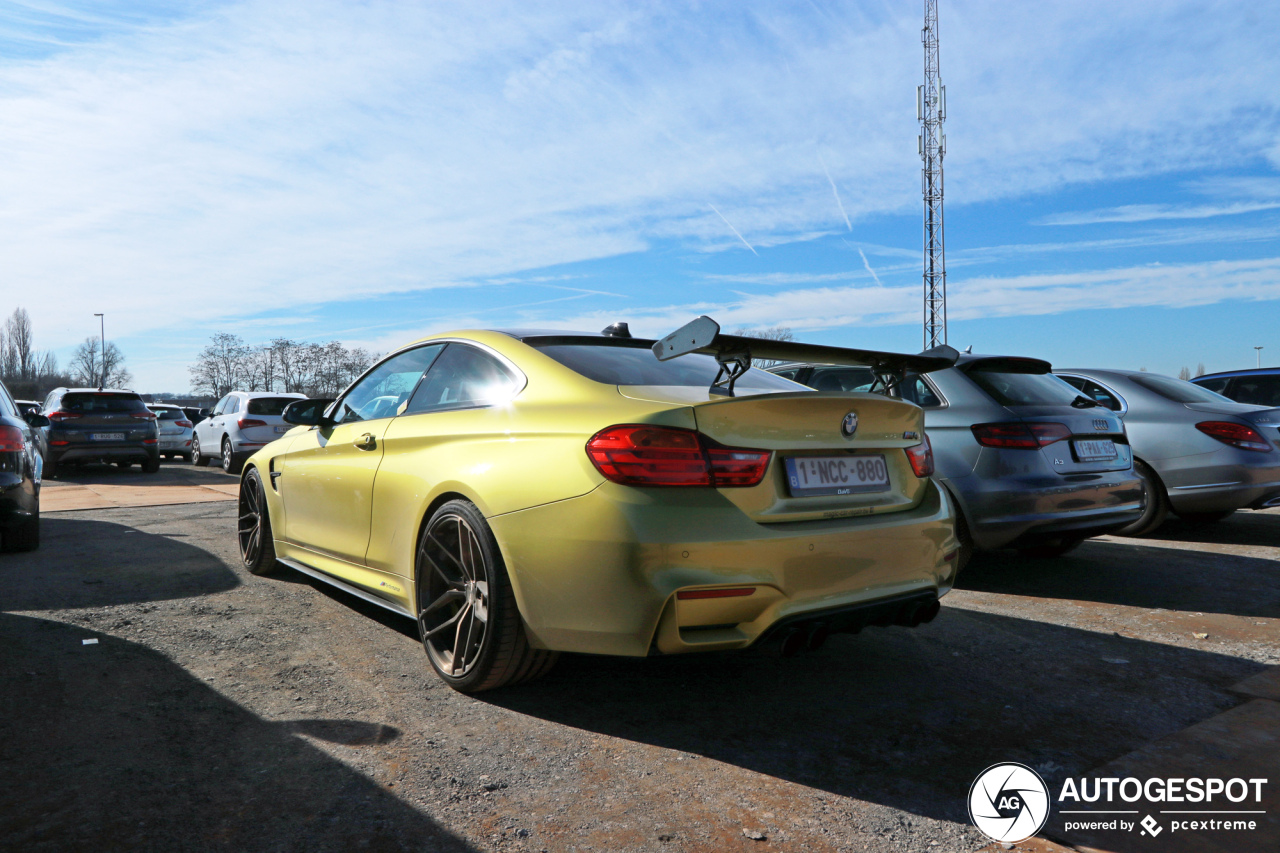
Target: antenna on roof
(616, 330)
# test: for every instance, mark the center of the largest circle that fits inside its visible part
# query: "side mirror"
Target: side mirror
(36, 419)
(305, 412)
(204, 413)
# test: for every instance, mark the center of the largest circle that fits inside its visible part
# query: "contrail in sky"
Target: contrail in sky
(835, 192)
(870, 270)
(735, 231)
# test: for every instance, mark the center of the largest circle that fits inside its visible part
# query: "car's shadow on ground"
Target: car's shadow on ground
(1136, 573)
(1244, 527)
(114, 747)
(901, 717)
(172, 472)
(103, 563)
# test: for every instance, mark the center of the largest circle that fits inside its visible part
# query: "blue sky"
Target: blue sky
(374, 172)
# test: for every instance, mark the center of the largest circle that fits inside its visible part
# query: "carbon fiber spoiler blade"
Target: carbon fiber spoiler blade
(703, 336)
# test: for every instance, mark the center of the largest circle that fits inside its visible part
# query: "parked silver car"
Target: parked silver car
(1030, 462)
(175, 430)
(1202, 455)
(240, 424)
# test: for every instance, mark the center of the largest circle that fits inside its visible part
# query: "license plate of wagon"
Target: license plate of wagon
(812, 476)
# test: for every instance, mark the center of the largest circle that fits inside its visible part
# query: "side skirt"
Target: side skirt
(345, 587)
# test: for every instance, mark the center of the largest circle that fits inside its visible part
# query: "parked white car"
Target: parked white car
(240, 424)
(175, 430)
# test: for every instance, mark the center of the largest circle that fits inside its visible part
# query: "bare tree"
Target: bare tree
(773, 333)
(1200, 369)
(318, 370)
(1184, 373)
(20, 340)
(220, 366)
(94, 367)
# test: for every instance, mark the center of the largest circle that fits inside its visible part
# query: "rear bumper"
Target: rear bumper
(105, 453)
(19, 499)
(1016, 511)
(599, 573)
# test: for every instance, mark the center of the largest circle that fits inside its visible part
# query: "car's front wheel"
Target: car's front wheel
(467, 615)
(257, 550)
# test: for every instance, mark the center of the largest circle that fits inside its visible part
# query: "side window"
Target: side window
(1218, 386)
(50, 402)
(6, 403)
(382, 391)
(1102, 396)
(916, 390)
(220, 405)
(789, 373)
(1259, 390)
(463, 377)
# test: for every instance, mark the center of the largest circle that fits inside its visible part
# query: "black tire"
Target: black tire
(1206, 517)
(151, 466)
(1052, 548)
(197, 458)
(230, 464)
(253, 531)
(1157, 509)
(462, 583)
(965, 538)
(24, 537)
(50, 469)
(186, 457)
(124, 464)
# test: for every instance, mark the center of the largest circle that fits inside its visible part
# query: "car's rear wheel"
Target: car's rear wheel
(229, 463)
(197, 458)
(124, 464)
(1157, 503)
(467, 615)
(152, 465)
(257, 550)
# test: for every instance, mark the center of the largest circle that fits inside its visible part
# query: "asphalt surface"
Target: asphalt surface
(219, 711)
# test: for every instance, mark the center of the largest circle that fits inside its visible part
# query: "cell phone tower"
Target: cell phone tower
(931, 111)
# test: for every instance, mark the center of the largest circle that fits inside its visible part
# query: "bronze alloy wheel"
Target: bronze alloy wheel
(257, 551)
(467, 615)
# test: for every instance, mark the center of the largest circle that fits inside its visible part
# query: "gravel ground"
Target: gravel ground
(219, 711)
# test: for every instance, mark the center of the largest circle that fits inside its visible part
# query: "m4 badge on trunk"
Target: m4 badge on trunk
(850, 425)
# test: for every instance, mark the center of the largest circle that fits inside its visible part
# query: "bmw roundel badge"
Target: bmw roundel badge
(850, 425)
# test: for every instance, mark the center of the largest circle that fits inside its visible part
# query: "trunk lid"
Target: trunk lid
(1091, 428)
(831, 474)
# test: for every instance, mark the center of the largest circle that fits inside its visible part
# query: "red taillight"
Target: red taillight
(921, 457)
(731, 592)
(59, 443)
(1019, 435)
(11, 440)
(143, 416)
(636, 455)
(150, 440)
(1236, 435)
(59, 417)
(245, 423)
(183, 424)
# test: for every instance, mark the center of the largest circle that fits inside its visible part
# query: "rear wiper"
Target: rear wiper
(1083, 402)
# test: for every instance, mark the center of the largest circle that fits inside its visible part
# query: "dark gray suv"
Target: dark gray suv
(98, 425)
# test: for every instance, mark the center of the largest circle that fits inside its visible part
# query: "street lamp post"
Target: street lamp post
(102, 337)
(1259, 351)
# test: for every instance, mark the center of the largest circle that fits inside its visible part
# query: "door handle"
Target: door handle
(366, 442)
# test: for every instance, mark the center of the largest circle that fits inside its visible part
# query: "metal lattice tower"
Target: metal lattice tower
(931, 110)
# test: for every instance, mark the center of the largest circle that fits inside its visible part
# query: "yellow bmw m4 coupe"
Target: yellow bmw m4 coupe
(524, 493)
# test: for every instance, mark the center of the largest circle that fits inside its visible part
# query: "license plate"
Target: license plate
(280, 430)
(106, 436)
(1094, 450)
(811, 476)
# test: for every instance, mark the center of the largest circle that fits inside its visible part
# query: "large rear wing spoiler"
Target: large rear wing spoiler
(735, 352)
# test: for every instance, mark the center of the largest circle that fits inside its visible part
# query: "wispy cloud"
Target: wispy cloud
(1151, 212)
(735, 231)
(835, 192)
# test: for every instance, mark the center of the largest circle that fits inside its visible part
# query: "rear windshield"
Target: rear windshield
(106, 403)
(163, 414)
(270, 405)
(1025, 389)
(1177, 390)
(624, 365)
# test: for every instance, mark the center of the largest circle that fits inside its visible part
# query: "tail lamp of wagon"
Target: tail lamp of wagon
(1017, 435)
(639, 455)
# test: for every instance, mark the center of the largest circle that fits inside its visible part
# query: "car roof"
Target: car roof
(1248, 371)
(253, 395)
(97, 391)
